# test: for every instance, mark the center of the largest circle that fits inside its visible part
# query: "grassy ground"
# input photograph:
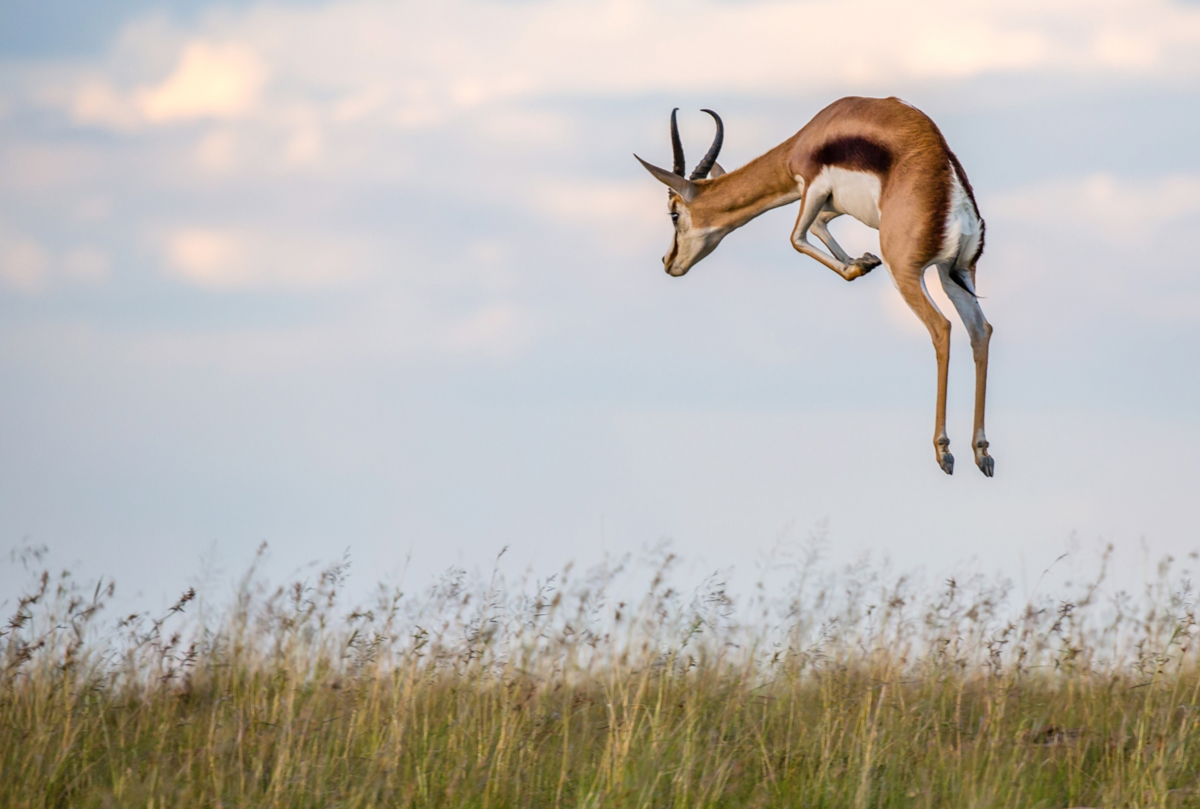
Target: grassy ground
(848, 692)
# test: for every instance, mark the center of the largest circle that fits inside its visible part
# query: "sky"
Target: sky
(385, 276)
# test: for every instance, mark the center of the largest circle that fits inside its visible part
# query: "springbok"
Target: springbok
(885, 163)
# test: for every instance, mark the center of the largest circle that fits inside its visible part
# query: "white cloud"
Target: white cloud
(499, 330)
(228, 260)
(463, 169)
(24, 264)
(209, 81)
(29, 267)
(218, 81)
(1094, 248)
(415, 64)
(625, 211)
(217, 151)
(308, 110)
(87, 264)
(209, 258)
(1112, 208)
(305, 146)
(96, 101)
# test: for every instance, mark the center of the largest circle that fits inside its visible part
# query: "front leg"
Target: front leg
(866, 262)
(814, 216)
(821, 230)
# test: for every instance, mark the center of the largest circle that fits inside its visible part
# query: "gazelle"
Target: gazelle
(885, 163)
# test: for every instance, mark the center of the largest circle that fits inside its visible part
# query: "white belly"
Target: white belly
(854, 193)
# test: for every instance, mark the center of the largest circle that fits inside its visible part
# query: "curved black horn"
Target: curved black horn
(677, 145)
(705, 166)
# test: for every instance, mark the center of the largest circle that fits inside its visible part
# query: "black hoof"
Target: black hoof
(947, 463)
(987, 465)
(867, 262)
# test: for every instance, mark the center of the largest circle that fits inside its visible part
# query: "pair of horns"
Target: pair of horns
(686, 187)
(710, 159)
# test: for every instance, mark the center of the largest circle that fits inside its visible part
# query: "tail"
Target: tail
(963, 279)
(966, 278)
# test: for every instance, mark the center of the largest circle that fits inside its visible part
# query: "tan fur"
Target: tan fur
(916, 171)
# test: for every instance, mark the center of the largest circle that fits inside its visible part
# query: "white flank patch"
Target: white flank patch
(855, 193)
(962, 224)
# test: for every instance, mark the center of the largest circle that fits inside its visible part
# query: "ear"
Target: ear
(716, 172)
(684, 187)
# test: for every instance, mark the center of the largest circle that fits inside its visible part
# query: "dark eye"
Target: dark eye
(674, 217)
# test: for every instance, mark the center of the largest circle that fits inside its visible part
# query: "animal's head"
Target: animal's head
(696, 231)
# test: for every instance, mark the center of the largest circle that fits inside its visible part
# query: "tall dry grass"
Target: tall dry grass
(848, 689)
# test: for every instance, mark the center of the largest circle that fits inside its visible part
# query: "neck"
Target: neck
(732, 200)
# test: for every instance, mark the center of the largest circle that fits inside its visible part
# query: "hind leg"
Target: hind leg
(980, 332)
(910, 280)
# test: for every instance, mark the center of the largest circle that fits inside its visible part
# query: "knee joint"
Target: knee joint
(941, 332)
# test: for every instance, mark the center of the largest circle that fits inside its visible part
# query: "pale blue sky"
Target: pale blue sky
(386, 276)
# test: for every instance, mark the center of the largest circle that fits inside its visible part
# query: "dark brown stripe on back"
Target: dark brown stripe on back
(858, 154)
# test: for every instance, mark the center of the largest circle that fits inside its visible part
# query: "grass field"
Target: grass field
(844, 689)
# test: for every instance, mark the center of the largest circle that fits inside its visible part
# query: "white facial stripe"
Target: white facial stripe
(691, 245)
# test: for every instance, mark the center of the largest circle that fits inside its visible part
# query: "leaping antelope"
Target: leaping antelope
(885, 163)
